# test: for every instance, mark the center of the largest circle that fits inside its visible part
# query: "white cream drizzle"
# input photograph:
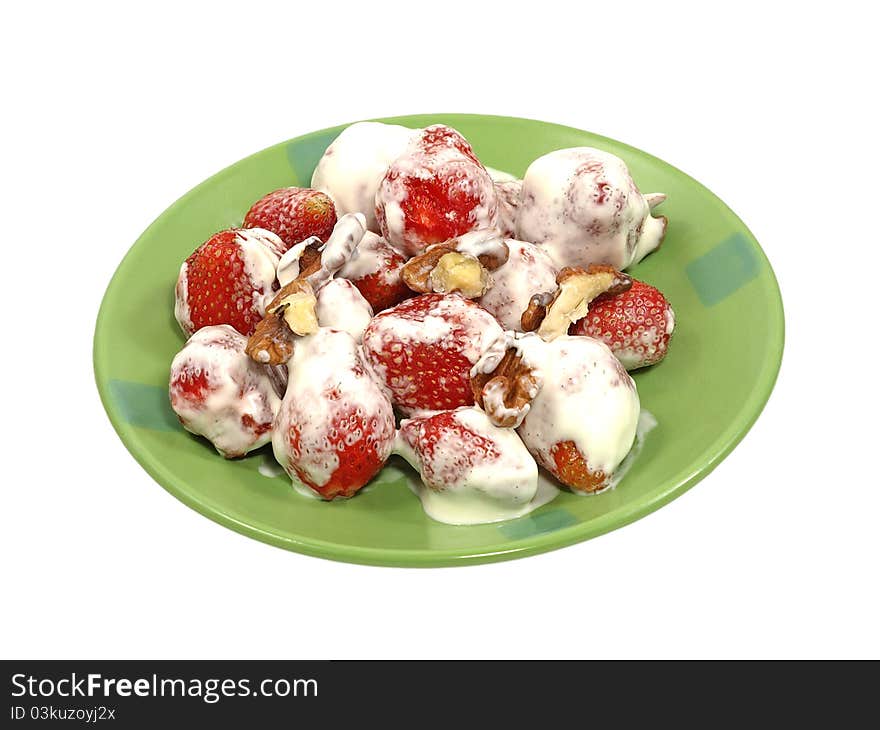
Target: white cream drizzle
(369, 258)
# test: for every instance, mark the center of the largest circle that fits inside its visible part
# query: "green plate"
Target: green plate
(721, 366)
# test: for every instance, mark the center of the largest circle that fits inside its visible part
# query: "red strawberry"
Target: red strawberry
(335, 428)
(636, 325)
(570, 468)
(437, 136)
(423, 350)
(218, 392)
(464, 459)
(446, 449)
(582, 421)
(375, 270)
(293, 214)
(227, 280)
(435, 191)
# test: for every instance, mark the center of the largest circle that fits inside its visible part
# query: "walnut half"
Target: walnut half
(458, 265)
(459, 272)
(290, 313)
(302, 271)
(506, 391)
(552, 313)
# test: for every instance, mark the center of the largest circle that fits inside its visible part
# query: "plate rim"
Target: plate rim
(508, 549)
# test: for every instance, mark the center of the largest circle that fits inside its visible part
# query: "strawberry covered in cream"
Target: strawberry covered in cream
(508, 193)
(228, 280)
(335, 426)
(218, 392)
(436, 190)
(375, 268)
(423, 349)
(354, 164)
(578, 411)
(471, 470)
(528, 269)
(583, 207)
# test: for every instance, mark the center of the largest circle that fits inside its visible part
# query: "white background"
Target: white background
(111, 113)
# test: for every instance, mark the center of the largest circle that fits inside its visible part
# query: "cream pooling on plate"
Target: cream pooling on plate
(354, 164)
(582, 205)
(471, 471)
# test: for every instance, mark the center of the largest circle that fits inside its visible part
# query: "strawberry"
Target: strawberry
(435, 191)
(463, 459)
(423, 350)
(335, 428)
(570, 467)
(508, 193)
(293, 214)
(375, 270)
(218, 392)
(583, 420)
(583, 407)
(636, 325)
(434, 138)
(461, 448)
(227, 280)
(527, 271)
(446, 448)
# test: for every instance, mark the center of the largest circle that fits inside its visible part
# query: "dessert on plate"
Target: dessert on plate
(415, 304)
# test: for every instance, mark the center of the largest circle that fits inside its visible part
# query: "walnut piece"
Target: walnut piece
(459, 272)
(551, 314)
(416, 272)
(303, 269)
(506, 393)
(460, 264)
(536, 311)
(292, 312)
(297, 307)
(272, 341)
